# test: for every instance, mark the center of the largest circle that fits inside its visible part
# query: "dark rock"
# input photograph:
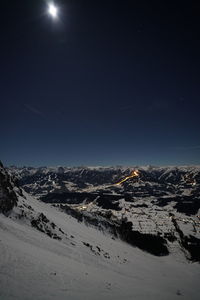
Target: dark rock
(8, 197)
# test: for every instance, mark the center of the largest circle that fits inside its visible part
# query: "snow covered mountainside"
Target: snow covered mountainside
(155, 209)
(48, 251)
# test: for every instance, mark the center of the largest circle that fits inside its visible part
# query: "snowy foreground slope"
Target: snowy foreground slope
(47, 254)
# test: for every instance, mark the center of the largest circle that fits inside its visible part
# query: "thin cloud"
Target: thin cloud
(126, 107)
(159, 105)
(34, 110)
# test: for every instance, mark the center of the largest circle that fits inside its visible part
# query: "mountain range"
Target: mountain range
(99, 232)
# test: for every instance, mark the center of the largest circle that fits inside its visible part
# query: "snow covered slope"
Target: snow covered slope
(47, 254)
(158, 210)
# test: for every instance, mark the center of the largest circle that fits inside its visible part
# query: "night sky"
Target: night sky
(106, 83)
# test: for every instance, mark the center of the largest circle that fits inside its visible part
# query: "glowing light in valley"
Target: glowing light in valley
(53, 10)
(134, 173)
(189, 180)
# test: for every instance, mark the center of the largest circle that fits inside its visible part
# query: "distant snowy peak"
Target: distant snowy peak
(122, 169)
(63, 179)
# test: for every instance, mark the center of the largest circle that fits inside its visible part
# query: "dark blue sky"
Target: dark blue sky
(108, 83)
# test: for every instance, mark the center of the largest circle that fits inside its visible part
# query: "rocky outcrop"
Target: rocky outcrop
(11, 196)
(190, 243)
(42, 224)
(122, 229)
(8, 197)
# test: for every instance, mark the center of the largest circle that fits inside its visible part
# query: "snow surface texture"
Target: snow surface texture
(47, 254)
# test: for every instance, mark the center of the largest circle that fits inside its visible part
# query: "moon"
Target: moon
(53, 10)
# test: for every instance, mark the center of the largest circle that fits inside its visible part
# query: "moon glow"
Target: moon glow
(53, 10)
